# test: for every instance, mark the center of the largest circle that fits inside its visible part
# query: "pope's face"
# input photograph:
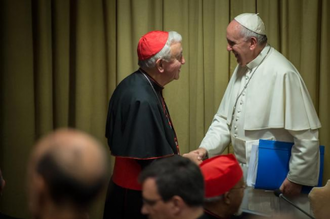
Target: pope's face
(238, 45)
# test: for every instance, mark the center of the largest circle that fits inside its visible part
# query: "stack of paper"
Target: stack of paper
(253, 166)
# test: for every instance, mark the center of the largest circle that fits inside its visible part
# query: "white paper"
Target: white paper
(253, 165)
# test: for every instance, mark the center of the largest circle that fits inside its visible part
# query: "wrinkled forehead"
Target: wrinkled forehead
(176, 48)
(233, 29)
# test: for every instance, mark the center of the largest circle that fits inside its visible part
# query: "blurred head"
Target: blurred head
(246, 37)
(162, 50)
(224, 184)
(67, 170)
(171, 186)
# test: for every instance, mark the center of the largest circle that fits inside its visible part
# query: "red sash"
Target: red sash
(126, 173)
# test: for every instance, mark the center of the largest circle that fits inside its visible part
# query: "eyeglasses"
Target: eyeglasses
(173, 58)
(151, 202)
(241, 187)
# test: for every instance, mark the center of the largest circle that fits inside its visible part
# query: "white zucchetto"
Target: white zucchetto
(252, 22)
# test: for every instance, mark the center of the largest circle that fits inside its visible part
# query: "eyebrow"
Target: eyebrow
(230, 41)
(150, 201)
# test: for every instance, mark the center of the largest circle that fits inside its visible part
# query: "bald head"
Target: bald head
(68, 167)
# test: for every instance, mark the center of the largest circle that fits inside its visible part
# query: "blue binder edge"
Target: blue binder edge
(270, 177)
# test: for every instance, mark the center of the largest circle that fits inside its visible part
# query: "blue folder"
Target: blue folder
(273, 165)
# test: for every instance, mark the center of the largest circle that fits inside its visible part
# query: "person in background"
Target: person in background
(172, 188)
(266, 98)
(139, 128)
(2, 186)
(67, 170)
(2, 182)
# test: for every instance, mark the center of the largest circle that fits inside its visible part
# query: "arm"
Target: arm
(304, 163)
(217, 137)
(215, 141)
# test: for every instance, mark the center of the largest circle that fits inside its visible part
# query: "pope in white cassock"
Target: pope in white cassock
(266, 98)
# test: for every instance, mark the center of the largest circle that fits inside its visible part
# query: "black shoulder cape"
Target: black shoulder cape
(136, 124)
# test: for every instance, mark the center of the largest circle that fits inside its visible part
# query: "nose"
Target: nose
(183, 60)
(229, 48)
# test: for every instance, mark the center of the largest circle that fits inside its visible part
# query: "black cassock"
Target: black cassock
(139, 130)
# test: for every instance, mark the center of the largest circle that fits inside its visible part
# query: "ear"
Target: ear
(37, 190)
(226, 198)
(254, 43)
(177, 205)
(160, 65)
(41, 190)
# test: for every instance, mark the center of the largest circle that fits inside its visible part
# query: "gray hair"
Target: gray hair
(248, 34)
(165, 53)
(213, 199)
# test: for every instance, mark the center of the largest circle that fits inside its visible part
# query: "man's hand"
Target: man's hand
(290, 188)
(197, 156)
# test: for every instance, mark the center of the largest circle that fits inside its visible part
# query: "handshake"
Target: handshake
(197, 156)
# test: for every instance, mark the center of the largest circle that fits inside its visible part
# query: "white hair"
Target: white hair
(248, 34)
(165, 53)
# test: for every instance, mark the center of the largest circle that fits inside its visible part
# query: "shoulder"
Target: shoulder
(134, 88)
(277, 67)
(131, 82)
(278, 63)
(134, 92)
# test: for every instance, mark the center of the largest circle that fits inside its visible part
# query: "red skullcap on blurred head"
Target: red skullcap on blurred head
(151, 43)
(221, 173)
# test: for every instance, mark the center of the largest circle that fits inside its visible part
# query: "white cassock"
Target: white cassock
(268, 99)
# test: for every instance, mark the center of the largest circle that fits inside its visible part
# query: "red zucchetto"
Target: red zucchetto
(151, 43)
(221, 173)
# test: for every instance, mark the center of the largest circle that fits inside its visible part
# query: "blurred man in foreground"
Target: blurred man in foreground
(67, 170)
